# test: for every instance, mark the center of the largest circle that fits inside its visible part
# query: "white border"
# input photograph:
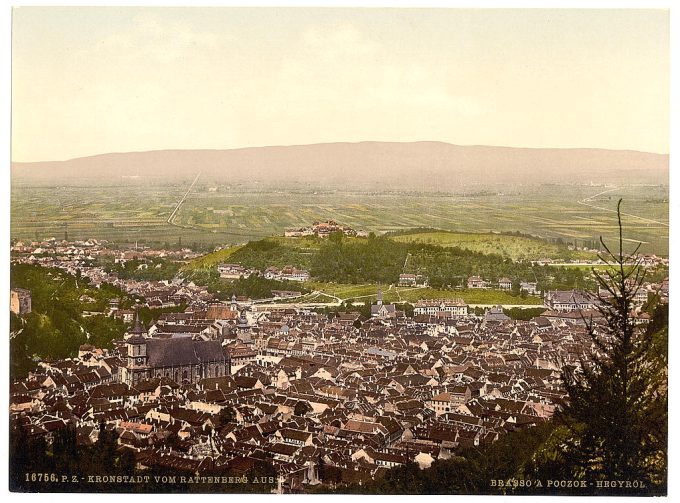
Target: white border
(5, 31)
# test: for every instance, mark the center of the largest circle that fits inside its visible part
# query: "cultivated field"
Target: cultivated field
(228, 215)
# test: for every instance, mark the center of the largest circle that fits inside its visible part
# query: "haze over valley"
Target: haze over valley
(216, 197)
(416, 166)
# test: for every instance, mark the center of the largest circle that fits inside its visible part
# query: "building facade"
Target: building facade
(182, 359)
(456, 307)
(570, 300)
(20, 301)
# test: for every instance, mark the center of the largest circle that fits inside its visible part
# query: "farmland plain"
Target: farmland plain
(215, 215)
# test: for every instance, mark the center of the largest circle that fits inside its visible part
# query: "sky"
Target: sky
(91, 80)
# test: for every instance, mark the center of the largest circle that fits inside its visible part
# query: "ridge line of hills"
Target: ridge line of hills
(422, 164)
(365, 142)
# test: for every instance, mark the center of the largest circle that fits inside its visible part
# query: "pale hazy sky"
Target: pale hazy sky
(95, 80)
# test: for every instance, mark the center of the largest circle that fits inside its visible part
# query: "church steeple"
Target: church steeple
(380, 298)
(137, 329)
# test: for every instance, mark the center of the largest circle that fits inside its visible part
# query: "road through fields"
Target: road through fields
(181, 201)
(586, 202)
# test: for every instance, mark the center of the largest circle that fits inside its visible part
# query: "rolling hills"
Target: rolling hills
(414, 166)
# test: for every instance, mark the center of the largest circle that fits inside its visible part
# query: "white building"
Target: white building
(233, 271)
(457, 307)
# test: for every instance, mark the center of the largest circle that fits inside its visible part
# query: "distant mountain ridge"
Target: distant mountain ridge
(391, 165)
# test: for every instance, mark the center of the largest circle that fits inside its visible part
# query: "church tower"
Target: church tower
(136, 360)
(242, 324)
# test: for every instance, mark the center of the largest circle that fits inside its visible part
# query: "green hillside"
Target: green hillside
(346, 268)
(515, 247)
(210, 260)
(57, 326)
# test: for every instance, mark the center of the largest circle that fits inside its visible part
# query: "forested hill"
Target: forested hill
(380, 259)
(56, 327)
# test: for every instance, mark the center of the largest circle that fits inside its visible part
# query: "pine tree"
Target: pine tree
(617, 410)
(104, 451)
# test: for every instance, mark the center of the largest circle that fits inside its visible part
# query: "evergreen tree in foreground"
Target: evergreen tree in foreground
(617, 413)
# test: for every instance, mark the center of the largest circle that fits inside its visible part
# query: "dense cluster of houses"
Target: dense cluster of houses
(323, 398)
(84, 251)
(304, 389)
(157, 294)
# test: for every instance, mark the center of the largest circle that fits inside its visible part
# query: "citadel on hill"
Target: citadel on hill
(323, 230)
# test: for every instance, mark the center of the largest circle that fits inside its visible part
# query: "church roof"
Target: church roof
(390, 308)
(183, 351)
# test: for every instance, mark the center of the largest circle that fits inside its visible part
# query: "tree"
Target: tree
(516, 288)
(336, 237)
(27, 454)
(225, 416)
(617, 409)
(302, 408)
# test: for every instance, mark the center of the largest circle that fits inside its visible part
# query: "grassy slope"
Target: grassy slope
(514, 247)
(210, 260)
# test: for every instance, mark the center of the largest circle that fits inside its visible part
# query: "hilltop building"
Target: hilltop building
(477, 282)
(233, 271)
(412, 280)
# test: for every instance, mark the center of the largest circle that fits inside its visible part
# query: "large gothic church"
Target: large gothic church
(184, 360)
